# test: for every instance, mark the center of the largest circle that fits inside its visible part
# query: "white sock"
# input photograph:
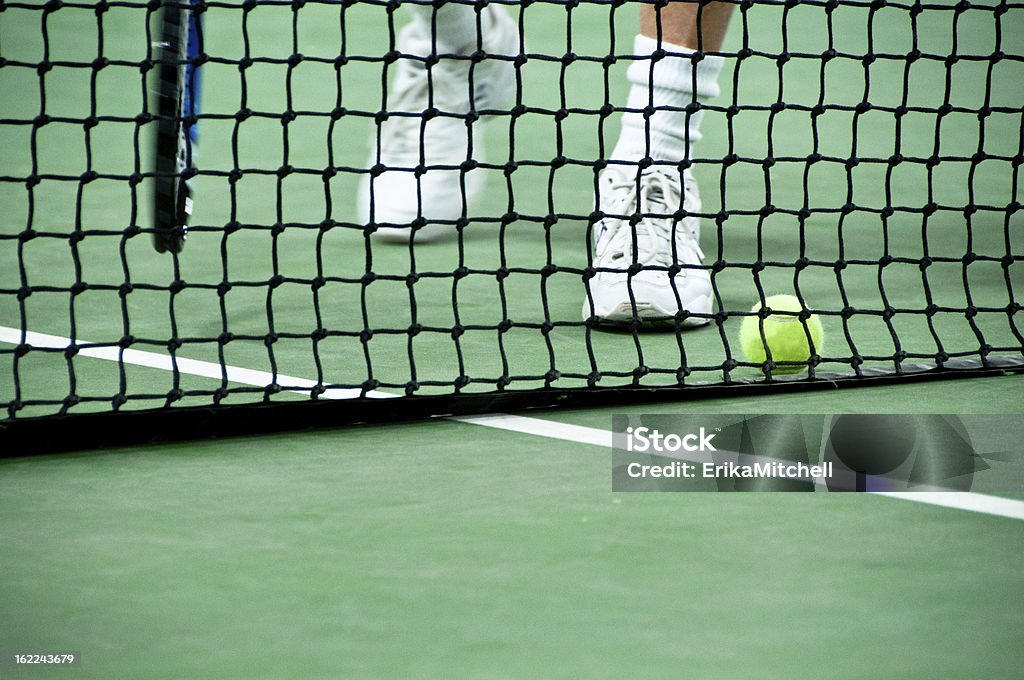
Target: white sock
(454, 25)
(678, 82)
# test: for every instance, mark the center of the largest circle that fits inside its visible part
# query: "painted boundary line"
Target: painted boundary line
(959, 500)
(971, 502)
(204, 369)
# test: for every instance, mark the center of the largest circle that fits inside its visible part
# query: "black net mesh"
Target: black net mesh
(863, 157)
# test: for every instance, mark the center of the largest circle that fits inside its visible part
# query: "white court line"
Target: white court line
(541, 428)
(205, 369)
(972, 502)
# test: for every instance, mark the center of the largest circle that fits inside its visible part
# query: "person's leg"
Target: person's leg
(632, 195)
(680, 25)
(679, 28)
(422, 191)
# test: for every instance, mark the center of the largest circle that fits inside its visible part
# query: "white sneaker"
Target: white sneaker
(443, 193)
(651, 294)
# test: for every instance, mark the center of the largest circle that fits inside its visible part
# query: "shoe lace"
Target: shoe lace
(656, 231)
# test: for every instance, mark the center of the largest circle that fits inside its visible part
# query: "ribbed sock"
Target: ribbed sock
(677, 83)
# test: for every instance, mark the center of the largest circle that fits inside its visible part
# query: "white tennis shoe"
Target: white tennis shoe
(660, 242)
(434, 148)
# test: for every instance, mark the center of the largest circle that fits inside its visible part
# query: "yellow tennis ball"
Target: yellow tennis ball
(784, 334)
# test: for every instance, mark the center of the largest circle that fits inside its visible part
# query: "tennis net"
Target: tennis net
(863, 157)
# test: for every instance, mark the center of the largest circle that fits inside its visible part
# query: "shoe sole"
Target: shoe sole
(648, 315)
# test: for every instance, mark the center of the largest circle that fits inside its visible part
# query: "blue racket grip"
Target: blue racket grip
(191, 96)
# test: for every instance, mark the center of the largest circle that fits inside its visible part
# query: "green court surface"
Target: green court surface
(445, 548)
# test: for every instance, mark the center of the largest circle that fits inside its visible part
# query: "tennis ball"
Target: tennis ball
(784, 334)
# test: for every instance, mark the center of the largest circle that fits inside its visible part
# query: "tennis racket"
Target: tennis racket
(176, 130)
